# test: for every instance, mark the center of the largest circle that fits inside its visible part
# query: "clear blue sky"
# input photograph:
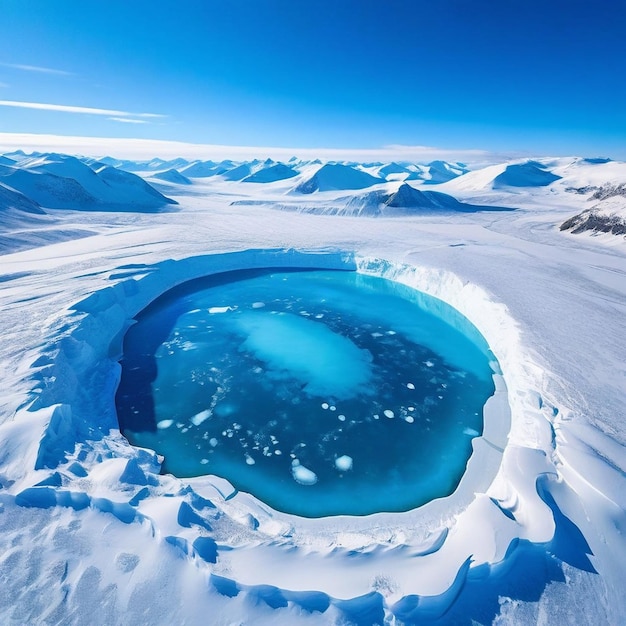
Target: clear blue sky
(542, 76)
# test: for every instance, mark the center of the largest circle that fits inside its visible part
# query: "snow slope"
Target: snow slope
(271, 173)
(334, 176)
(518, 174)
(607, 216)
(564, 173)
(172, 176)
(64, 182)
(14, 201)
(90, 532)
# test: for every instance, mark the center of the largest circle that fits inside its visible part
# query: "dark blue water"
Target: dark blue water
(319, 392)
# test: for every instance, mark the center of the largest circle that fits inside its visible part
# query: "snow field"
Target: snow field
(68, 478)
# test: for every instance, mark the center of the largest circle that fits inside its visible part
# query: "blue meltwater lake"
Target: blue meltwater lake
(319, 392)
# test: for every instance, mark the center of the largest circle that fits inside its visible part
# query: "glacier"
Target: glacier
(535, 530)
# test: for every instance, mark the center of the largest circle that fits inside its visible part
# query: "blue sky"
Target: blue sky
(537, 77)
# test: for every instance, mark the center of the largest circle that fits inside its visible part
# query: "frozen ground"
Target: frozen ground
(90, 532)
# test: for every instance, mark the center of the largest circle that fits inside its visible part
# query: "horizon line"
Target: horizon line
(135, 148)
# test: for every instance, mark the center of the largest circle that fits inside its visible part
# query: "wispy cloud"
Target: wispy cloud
(149, 148)
(127, 120)
(37, 68)
(3, 85)
(64, 108)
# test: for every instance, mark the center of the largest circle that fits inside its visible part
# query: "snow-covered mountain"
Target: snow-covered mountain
(271, 173)
(607, 215)
(205, 169)
(334, 176)
(64, 182)
(573, 174)
(14, 201)
(172, 176)
(442, 171)
(529, 173)
(388, 200)
(393, 188)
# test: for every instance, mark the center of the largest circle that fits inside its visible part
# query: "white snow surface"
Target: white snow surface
(90, 532)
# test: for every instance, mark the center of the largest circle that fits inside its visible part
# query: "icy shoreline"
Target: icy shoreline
(444, 532)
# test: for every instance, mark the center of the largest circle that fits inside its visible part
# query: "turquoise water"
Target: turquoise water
(320, 392)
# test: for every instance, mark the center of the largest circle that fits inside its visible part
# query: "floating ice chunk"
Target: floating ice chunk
(220, 309)
(204, 461)
(197, 419)
(343, 463)
(301, 474)
(249, 460)
(164, 424)
(258, 305)
(341, 418)
(429, 363)
(332, 407)
(470, 431)
(213, 442)
(409, 418)
(388, 413)
(376, 335)
(326, 362)
(325, 405)
(410, 386)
